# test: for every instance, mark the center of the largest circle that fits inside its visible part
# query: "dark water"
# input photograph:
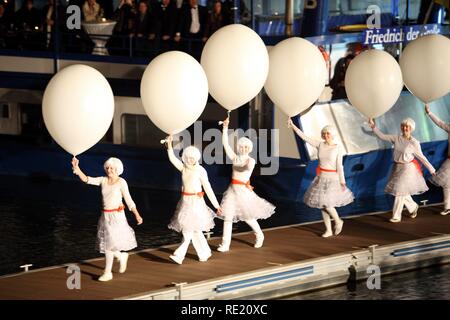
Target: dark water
(425, 284)
(53, 222)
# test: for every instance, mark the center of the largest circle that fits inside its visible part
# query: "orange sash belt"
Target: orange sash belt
(319, 170)
(120, 208)
(200, 194)
(247, 184)
(416, 164)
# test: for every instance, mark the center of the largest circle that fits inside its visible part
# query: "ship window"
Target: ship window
(4, 110)
(138, 130)
(355, 135)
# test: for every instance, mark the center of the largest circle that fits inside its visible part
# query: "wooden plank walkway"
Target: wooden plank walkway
(152, 270)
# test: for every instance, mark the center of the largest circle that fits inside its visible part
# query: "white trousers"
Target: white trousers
(401, 201)
(228, 226)
(109, 257)
(198, 241)
(327, 214)
(446, 198)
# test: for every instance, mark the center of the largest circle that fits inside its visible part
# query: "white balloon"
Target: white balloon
(236, 63)
(78, 107)
(425, 64)
(174, 91)
(373, 82)
(297, 75)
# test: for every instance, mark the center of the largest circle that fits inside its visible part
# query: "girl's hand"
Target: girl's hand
(169, 140)
(226, 122)
(219, 211)
(290, 124)
(427, 108)
(343, 186)
(75, 167)
(139, 219)
(371, 123)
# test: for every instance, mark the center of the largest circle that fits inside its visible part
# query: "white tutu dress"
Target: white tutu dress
(192, 213)
(442, 177)
(113, 231)
(240, 202)
(406, 178)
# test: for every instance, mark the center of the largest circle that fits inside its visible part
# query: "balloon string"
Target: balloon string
(228, 116)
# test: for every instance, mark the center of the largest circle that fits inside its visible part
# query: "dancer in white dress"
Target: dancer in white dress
(192, 215)
(328, 189)
(442, 177)
(240, 202)
(406, 177)
(113, 232)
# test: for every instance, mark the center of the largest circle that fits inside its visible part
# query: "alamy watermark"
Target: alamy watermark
(374, 280)
(74, 280)
(265, 145)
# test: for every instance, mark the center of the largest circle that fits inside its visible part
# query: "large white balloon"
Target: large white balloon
(297, 75)
(236, 63)
(425, 64)
(174, 91)
(373, 82)
(78, 107)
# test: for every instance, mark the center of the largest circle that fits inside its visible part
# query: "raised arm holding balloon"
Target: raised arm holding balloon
(406, 178)
(328, 189)
(192, 215)
(240, 202)
(442, 177)
(114, 235)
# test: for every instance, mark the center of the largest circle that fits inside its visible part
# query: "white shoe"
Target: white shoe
(259, 240)
(338, 227)
(445, 212)
(176, 259)
(394, 220)
(414, 213)
(223, 248)
(123, 262)
(105, 277)
(204, 259)
(327, 234)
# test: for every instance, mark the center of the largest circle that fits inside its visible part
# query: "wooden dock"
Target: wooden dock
(286, 249)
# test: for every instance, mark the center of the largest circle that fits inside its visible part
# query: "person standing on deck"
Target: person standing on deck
(240, 202)
(328, 189)
(442, 177)
(113, 232)
(192, 215)
(406, 178)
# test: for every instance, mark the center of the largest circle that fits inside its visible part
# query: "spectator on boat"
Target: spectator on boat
(337, 83)
(28, 18)
(442, 177)
(215, 21)
(143, 28)
(107, 7)
(328, 189)
(91, 10)
(192, 215)
(114, 235)
(124, 16)
(166, 16)
(406, 177)
(240, 202)
(191, 25)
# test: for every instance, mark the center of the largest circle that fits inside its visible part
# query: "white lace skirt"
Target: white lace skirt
(405, 180)
(326, 191)
(192, 214)
(114, 233)
(442, 177)
(239, 203)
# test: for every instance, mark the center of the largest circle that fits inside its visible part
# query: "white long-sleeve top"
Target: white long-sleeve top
(242, 165)
(330, 156)
(193, 178)
(405, 149)
(441, 124)
(112, 194)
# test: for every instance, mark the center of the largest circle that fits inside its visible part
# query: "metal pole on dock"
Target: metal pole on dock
(289, 18)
